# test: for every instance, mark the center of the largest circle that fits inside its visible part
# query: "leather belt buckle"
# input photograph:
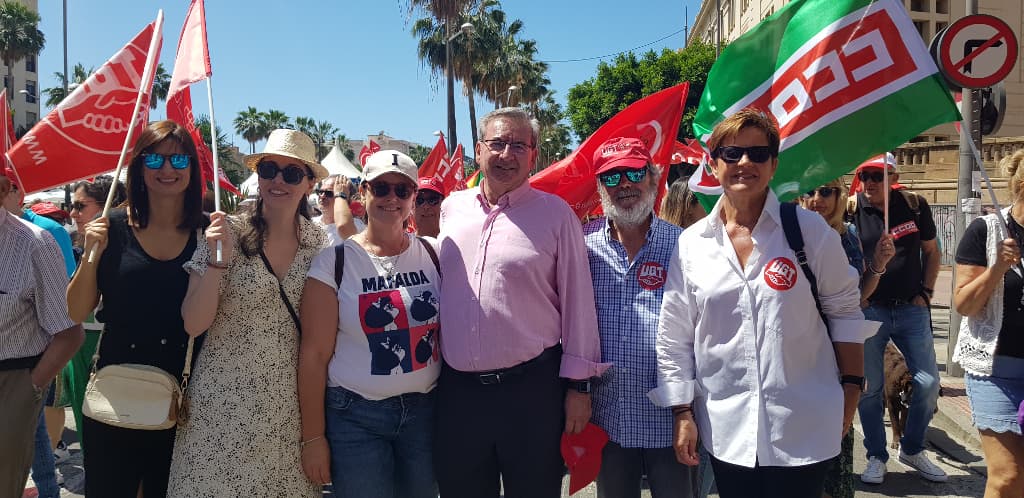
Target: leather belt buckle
(490, 378)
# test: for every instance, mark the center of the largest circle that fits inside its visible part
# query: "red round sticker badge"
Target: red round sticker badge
(651, 275)
(780, 274)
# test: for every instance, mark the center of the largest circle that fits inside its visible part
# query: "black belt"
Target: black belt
(492, 377)
(20, 363)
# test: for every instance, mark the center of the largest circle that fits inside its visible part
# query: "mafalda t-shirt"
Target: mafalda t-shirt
(388, 323)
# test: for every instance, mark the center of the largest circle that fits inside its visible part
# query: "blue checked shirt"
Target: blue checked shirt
(628, 297)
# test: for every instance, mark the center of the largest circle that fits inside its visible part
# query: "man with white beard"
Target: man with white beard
(629, 252)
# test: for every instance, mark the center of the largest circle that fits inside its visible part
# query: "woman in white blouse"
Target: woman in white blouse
(743, 353)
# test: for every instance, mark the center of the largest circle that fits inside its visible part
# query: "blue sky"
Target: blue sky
(352, 63)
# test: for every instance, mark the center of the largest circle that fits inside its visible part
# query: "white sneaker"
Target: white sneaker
(60, 477)
(875, 471)
(924, 466)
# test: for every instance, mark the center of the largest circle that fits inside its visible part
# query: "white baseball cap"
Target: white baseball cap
(389, 161)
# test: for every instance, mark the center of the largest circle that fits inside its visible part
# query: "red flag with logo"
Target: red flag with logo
(457, 179)
(367, 151)
(191, 65)
(82, 137)
(653, 119)
(437, 161)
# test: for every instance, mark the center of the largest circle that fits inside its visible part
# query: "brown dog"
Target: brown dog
(899, 386)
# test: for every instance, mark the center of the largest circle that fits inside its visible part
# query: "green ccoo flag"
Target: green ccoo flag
(844, 79)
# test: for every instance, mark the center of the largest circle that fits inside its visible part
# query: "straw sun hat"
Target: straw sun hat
(293, 144)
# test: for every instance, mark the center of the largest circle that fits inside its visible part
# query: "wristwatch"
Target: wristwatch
(581, 386)
(856, 380)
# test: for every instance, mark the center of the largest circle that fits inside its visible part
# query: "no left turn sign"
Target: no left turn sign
(977, 51)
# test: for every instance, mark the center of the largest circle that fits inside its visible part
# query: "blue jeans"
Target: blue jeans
(909, 327)
(381, 448)
(43, 464)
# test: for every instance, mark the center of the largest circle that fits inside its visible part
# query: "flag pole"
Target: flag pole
(147, 73)
(216, 161)
(988, 185)
(885, 193)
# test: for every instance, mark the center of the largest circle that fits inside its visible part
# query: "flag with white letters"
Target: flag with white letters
(844, 79)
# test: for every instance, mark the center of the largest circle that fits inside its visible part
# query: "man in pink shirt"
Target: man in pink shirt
(519, 328)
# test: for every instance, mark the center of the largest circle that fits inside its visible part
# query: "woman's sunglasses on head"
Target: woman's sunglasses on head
(733, 153)
(152, 160)
(613, 178)
(291, 174)
(382, 189)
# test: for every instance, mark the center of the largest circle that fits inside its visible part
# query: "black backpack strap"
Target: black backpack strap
(795, 238)
(433, 254)
(339, 264)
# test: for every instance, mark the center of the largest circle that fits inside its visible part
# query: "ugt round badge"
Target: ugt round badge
(780, 274)
(651, 275)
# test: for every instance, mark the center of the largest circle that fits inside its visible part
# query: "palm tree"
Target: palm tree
(274, 119)
(161, 84)
(55, 95)
(322, 132)
(236, 172)
(419, 153)
(249, 124)
(446, 13)
(342, 142)
(19, 37)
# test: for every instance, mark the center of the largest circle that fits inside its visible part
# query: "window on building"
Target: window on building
(30, 63)
(31, 118)
(919, 5)
(30, 91)
(922, 29)
(743, 5)
(939, 26)
(942, 6)
(941, 138)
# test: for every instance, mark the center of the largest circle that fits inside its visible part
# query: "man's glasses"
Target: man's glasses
(875, 176)
(733, 154)
(324, 194)
(383, 189)
(153, 160)
(433, 200)
(823, 191)
(613, 179)
(497, 146)
(79, 205)
(291, 174)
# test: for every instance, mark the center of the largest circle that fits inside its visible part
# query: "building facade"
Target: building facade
(929, 17)
(25, 90)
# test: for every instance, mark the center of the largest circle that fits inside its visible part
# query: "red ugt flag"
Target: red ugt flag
(82, 137)
(653, 119)
(457, 179)
(366, 152)
(192, 64)
(436, 161)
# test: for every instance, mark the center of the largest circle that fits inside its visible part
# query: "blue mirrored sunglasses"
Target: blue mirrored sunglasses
(612, 179)
(153, 160)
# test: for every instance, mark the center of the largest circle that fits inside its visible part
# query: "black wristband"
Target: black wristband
(930, 292)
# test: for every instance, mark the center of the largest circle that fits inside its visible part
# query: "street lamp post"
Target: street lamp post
(465, 28)
(508, 95)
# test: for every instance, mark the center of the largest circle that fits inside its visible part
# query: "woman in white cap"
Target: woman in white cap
(242, 438)
(370, 318)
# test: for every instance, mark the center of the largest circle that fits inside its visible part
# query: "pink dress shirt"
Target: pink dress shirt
(517, 281)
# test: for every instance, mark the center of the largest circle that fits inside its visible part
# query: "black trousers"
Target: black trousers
(511, 430)
(120, 459)
(805, 481)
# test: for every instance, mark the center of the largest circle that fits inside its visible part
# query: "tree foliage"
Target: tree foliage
(629, 78)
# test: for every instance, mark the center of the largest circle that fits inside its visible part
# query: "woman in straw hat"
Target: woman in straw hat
(140, 250)
(242, 438)
(371, 344)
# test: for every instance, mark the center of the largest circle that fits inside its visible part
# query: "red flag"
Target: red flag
(192, 64)
(458, 176)
(82, 137)
(437, 161)
(367, 151)
(653, 119)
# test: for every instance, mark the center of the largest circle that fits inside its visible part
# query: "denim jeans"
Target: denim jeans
(383, 448)
(909, 327)
(43, 464)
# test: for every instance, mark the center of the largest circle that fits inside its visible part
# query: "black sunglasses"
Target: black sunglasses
(324, 194)
(79, 205)
(433, 200)
(823, 191)
(612, 179)
(291, 174)
(875, 176)
(383, 189)
(733, 154)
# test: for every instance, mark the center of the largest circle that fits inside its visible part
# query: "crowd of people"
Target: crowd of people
(413, 342)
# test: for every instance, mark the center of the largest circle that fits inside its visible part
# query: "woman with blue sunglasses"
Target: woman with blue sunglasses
(138, 274)
(242, 438)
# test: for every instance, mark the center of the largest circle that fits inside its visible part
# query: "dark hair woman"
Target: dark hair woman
(243, 391)
(139, 277)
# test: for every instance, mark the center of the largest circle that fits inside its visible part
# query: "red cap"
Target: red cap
(48, 209)
(432, 183)
(621, 153)
(582, 455)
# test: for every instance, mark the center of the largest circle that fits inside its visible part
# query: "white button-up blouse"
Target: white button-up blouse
(747, 346)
